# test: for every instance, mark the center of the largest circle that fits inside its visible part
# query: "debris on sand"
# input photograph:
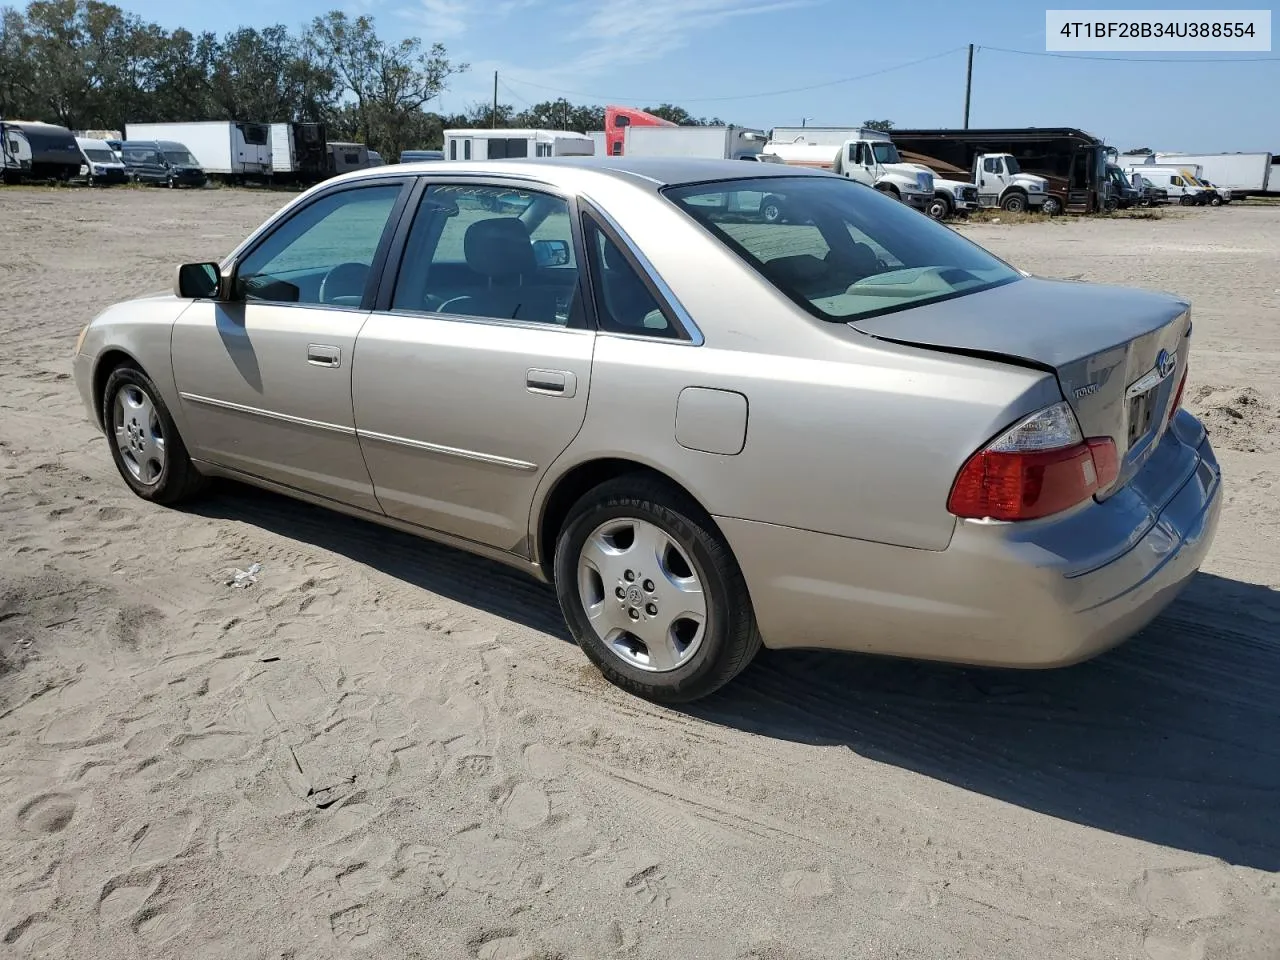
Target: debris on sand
(1240, 418)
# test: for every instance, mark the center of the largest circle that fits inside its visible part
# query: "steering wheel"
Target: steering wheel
(339, 280)
(444, 307)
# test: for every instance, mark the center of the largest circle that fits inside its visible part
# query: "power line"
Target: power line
(1085, 56)
(744, 96)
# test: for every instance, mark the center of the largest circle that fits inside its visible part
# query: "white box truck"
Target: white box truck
(717, 143)
(227, 149)
(298, 152)
(1244, 174)
(500, 144)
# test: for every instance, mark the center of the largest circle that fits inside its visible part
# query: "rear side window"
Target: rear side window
(838, 249)
(624, 302)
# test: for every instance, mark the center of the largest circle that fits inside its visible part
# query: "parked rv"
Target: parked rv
(860, 153)
(1071, 162)
(500, 144)
(226, 149)
(53, 151)
(345, 157)
(162, 163)
(712, 143)
(1243, 174)
(298, 152)
(104, 167)
(420, 156)
(15, 154)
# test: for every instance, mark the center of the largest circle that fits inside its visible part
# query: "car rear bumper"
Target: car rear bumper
(992, 597)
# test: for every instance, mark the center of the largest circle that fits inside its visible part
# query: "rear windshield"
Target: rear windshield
(839, 249)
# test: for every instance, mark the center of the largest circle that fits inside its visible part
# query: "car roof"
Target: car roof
(570, 172)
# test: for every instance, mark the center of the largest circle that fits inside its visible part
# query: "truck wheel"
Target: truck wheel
(1187, 201)
(1052, 206)
(1110, 205)
(939, 207)
(1215, 201)
(890, 190)
(771, 209)
(1014, 203)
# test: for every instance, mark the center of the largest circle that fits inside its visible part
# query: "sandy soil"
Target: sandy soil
(385, 748)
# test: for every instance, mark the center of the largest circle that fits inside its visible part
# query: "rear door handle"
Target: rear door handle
(324, 355)
(554, 383)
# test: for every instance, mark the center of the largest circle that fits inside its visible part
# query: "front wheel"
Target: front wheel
(1014, 203)
(771, 210)
(144, 441)
(652, 593)
(1215, 202)
(1052, 206)
(938, 208)
(1187, 201)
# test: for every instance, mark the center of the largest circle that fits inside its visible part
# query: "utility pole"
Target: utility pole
(968, 87)
(493, 118)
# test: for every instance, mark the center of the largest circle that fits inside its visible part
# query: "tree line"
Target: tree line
(85, 64)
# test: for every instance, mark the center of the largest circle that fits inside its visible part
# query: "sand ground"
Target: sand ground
(386, 748)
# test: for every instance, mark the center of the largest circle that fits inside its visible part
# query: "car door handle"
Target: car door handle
(324, 355)
(555, 383)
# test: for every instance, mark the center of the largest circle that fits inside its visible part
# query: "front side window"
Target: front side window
(323, 254)
(624, 303)
(839, 250)
(991, 165)
(491, 252)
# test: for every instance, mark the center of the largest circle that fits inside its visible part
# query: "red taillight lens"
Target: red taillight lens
(1177, 397)
(1039, 467)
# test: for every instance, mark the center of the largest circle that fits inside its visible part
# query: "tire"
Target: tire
(1110, 205)
(699, 660)
(1215, 201)
(771, 210)
(891, 191)
(1187, 201)
(939, 208)
(1014, 203)
(1052, 206)
(134, 414)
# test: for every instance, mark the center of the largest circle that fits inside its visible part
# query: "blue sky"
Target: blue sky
(718, 56)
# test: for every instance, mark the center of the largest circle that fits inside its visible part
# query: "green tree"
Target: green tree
(669, 111)
(883, 125)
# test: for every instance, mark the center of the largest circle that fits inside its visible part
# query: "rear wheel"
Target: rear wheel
(144, 441)
(652, 593)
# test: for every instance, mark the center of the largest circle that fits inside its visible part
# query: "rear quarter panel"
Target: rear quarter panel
(845, 434)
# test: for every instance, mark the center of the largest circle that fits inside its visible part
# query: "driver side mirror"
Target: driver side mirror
(198, 281)
(551, 253)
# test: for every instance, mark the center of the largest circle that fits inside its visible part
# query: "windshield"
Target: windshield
(100, 156)
(886, 153)
(837, 248)
(1012, 164)
(181, 157)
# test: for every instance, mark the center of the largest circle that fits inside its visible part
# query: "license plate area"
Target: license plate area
(1142, 410)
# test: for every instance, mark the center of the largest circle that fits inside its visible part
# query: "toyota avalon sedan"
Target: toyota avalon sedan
(847, 428)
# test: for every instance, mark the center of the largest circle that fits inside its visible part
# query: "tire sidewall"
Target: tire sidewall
(942, 207)
(1015, 203)
(690, 680)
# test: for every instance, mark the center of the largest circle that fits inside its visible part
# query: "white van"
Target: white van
(1180, 189)
(102, 164)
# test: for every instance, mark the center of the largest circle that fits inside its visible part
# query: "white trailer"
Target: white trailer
(227, 149)
(503, 144)
(600, 142)
(719, 143)
(1241, 173)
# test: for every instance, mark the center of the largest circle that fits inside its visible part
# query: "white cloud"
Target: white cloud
(441, 19)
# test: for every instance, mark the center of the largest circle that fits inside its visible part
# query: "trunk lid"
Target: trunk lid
(1118, 353)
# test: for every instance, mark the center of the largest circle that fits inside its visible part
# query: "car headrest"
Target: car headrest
(499, 247)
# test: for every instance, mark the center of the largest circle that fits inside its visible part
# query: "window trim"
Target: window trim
(395, 260)
(231, 265)
(663, 295)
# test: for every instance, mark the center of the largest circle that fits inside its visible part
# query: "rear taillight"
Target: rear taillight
(1039, 466)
